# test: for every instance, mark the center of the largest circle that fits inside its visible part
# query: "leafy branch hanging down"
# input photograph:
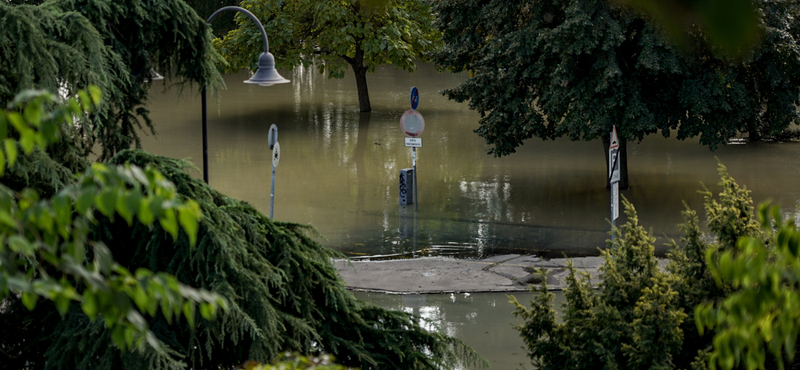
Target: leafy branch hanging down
(46, 250)
(65, 45)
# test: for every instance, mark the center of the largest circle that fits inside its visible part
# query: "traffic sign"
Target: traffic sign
(414, 97)
(614, 139)
(412, 123)
(276, 154)
(414, 142)
(613, 165)
(272, 136)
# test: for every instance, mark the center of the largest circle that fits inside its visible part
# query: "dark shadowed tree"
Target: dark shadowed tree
(574, 68)
(333, 35)
(65, 45)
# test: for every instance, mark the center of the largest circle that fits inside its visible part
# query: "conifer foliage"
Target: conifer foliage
(283, 294)
(65, 45)
(643, 316)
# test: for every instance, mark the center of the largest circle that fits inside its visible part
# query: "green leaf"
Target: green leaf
(106, 202)
(29, 300)
(28, 142)
(188, 312)
(169, 223)
(21, 245)
(85, 200)
(33, 113)
(3, 126)
(188, 220)
(208, 311)
(17, 121)
(2, 163)
(103, 257)
(89, 304)
(95, 94)
(11, 152)
(85, 100)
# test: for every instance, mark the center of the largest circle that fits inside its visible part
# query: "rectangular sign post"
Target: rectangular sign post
(613, 176)
(412, 123)
(416, 207)
(414, 142)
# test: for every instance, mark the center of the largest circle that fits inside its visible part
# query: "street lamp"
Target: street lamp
(266, 75)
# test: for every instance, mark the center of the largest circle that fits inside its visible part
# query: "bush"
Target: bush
(642, 316)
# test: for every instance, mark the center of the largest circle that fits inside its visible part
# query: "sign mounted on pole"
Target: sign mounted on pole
(412, 123)
(614, 201)
(276, 154)
(414, 97)
(414, 142)
(272, 136)
(613, 157)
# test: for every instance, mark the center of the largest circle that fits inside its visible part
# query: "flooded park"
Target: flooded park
(339, 168)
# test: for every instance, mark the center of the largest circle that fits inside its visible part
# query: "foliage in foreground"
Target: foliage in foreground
(642, 316)
(760, 317)
(46, 252)
(282, 292)
(65, 45)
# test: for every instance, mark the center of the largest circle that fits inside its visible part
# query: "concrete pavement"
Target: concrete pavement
(503, 273)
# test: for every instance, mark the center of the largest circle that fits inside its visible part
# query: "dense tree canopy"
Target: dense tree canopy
(574, 68)
(335, 34)
(65, 45)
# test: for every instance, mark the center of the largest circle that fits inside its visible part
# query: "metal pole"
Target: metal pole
(272, 194)
(264, 40)
(416, 207)
(205, 136)
(613, 222)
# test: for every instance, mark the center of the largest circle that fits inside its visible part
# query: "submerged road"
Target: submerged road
(503, 273)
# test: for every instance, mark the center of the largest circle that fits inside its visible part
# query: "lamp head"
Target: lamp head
(266, 75)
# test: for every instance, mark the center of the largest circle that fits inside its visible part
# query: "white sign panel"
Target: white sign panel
(614, 201)
(613, 165)
(276, 154)
(414, 142)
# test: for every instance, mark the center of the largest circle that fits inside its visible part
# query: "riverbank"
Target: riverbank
(503, 273)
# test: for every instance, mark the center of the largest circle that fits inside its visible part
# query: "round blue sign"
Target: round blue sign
(414, 97)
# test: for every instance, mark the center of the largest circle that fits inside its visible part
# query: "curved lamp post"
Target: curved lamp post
(266, 75)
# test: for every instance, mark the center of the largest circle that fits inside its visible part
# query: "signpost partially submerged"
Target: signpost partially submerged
(272, 140)
(412, 123)
(613, 175)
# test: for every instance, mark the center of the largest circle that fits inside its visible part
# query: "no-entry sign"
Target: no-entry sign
(412, 123)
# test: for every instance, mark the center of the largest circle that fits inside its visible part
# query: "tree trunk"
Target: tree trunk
(363, 91)
(623, 162)
(360, 70)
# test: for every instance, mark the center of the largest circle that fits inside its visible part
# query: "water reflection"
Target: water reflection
(339, 169)
(482, 320)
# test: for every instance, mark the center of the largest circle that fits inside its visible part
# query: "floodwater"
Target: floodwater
(339, 169)
(484, 321)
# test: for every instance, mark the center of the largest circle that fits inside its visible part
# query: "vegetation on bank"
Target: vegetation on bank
(726, 299)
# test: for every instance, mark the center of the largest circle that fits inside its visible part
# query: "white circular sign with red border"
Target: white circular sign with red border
(412, 123)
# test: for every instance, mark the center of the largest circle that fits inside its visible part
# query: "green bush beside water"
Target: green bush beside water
(724, 299)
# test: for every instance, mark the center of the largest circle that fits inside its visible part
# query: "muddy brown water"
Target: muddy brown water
(339, 172)
(484, 321)
(339, 169)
